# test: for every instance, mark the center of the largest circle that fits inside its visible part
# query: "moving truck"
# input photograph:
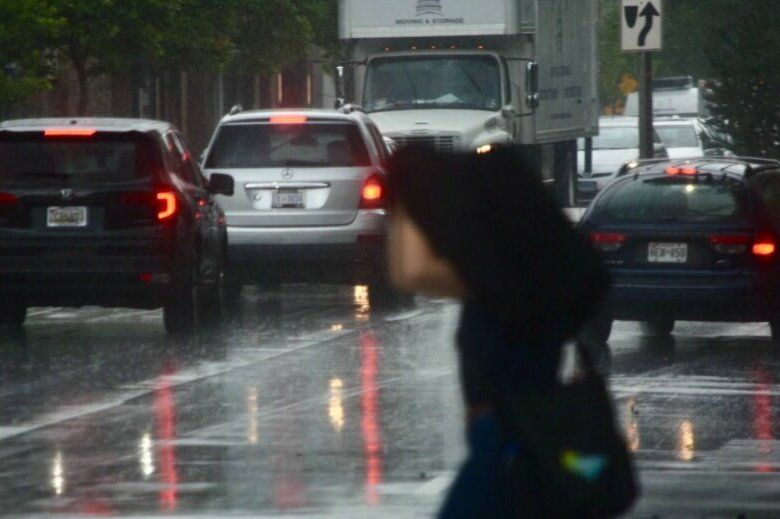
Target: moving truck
(472, 75)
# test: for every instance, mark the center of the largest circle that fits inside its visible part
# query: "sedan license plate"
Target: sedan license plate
(288, 200)
(66, 217)
(667, 253)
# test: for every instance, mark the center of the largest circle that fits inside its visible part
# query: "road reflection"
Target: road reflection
(762, 418)
(58, 474)
(165, 418)
(686, 441)
(336, 404)
(372, 439)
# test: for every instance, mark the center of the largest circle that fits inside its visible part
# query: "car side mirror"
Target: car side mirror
(508, 112)
(532, 99)
(221, 184)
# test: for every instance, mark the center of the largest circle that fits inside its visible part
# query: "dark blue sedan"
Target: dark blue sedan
(694, 240)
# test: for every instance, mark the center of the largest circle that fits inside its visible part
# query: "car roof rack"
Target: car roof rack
(237, 109)
(351, 108)
(753, 165)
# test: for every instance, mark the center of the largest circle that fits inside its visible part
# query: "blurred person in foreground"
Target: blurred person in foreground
(484, 230)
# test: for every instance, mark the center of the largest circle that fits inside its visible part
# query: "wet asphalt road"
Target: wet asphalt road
(313, 403)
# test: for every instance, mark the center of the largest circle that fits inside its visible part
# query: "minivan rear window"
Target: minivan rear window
(673, 200)
(31, 158)
(284, 145)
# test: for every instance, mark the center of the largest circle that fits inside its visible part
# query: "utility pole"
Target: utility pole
(646, 148)
(641, 23)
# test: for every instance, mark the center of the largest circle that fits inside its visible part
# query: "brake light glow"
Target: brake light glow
(8, 198)
(607, 237)
(373, 193)
(289, 119)
(607, 241)
(168, 204)
(763, 248)
(69, 132)
(681, 170)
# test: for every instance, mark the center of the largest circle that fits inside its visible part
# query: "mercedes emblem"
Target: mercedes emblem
(287, 174)
(66, 194)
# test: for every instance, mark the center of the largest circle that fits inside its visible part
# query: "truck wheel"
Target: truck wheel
(12, 314)
(181, 309)
(661, 327)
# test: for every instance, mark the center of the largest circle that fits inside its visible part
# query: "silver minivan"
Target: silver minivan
(309, 202)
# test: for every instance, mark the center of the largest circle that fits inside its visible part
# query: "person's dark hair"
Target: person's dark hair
(500, 228)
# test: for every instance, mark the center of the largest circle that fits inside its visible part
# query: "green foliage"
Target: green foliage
(744, 58)
(614, 63)
(24, 26)
(117, 36)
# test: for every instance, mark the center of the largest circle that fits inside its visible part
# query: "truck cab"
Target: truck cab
(459, 78)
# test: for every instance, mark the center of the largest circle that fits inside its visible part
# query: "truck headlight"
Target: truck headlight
(487, 148)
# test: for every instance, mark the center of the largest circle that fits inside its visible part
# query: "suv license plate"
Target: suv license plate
(667, 253)
(288, 200)
(66, 217)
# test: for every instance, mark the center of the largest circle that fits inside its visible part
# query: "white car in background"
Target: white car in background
(681, 137)
(616, 144)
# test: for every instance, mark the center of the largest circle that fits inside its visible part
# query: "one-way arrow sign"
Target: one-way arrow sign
(641, 23)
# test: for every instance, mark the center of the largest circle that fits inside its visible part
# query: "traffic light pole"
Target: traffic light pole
(646, 149)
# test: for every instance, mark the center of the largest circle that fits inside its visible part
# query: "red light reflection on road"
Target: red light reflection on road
(165, 417)
(369, 423)
(762, 416)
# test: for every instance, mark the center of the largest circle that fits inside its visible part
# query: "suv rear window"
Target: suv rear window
(30, 158)
(278, 146)
(673, 200)
(678, 136)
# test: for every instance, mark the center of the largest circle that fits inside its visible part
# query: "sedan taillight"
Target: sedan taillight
(730, 244)
(607, 241)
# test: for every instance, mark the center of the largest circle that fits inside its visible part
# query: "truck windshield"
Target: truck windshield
(425, 82)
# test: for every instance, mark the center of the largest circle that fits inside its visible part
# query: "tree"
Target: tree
(24, 26)
(744, 56)
(101, 36)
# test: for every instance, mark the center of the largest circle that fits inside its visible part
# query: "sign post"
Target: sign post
(641, 31)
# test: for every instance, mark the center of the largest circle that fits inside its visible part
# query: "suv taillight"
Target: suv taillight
(167, 205)
(8, 199)
(373, 194)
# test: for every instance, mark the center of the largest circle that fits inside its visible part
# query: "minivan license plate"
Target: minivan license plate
(288, 200)
(66, 217)
(667, 253)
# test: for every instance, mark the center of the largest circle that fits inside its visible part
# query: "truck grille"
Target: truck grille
(443, 143)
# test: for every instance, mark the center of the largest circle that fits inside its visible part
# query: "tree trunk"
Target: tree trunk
(83, 81)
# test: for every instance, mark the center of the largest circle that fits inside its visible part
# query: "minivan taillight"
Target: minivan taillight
(372, 196)
(167, 205)
(607, 241)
